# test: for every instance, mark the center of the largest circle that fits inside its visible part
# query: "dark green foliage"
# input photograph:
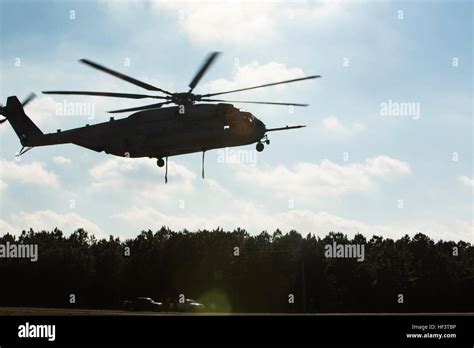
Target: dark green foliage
(202, 265)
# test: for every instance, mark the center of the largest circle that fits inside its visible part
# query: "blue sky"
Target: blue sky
(352, 169)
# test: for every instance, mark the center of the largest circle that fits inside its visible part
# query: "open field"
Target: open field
(33, 311)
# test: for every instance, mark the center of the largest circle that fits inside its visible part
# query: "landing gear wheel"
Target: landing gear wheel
(160, 162)
(260, 147)
(267, 141)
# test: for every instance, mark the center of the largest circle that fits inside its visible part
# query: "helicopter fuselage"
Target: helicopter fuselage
(164, 132)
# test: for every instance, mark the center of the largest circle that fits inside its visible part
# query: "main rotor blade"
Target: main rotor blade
(252, 102)
(265, 85)
(146, 107)
(28, 99)
(123, 77)
(107, 94)
(210, 59)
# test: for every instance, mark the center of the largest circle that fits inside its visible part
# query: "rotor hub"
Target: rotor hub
(184, 98)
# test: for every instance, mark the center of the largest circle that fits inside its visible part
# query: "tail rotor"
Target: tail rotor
(28, 99)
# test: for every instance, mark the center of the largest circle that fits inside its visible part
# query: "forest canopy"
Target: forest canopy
(233, 271)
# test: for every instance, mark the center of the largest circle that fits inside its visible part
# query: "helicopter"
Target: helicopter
(193, 124)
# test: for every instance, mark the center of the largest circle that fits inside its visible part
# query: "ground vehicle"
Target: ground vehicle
(143, 304)
(189, 305)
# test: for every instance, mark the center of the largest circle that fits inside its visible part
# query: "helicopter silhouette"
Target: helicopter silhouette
(153, 131)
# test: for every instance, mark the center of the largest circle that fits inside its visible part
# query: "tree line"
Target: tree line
(234, 271)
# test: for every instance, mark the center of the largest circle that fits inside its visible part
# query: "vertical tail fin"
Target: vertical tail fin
(21, 123)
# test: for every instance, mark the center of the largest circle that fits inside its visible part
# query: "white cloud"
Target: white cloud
(255, 219)
(217, 189)
(30, 173)
(325, 179)
(254, 74)
(48, 220)
(245, 22)
(222, 22)
(144, 180)
(61, 160)
(3, 185)
(142, 177)
(384, 165)
(5, 227)
(333, 124)
(457, 230)
(467, 181)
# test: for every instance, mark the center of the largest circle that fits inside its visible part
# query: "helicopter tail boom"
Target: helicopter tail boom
(21, 123)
